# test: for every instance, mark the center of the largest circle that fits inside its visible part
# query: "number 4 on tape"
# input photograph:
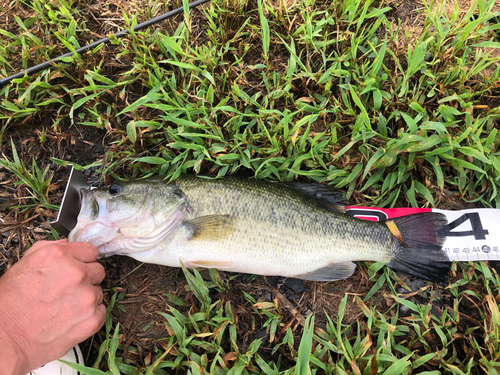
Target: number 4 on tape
(477, 231)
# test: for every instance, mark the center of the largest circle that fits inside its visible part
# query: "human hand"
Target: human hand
(49, 302)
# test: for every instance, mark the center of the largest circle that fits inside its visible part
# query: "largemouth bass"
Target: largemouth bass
(256, 227)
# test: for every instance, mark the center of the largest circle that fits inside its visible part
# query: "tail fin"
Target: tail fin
(417, 250)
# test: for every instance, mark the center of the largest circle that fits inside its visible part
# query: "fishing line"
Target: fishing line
(81, 50)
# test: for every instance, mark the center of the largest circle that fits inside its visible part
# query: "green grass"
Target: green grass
(313, 103)
(335, 92)
(37, 181)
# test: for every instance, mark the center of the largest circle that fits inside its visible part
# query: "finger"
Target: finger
(82, 251)
(96, 273)
(37, 245)
(92, 324)
(100, 313)
(99, 295)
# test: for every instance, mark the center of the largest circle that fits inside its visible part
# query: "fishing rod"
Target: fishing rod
(81, 50)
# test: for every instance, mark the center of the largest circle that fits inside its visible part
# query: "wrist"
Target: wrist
(12, 358)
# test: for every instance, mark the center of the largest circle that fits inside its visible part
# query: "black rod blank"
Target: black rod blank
(90, 46)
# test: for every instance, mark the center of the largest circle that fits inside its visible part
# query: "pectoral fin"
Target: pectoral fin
(332, 272)
(210, 227)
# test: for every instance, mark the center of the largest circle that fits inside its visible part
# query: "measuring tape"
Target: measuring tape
(471, 235)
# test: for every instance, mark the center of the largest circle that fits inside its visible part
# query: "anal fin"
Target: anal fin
(332, 272)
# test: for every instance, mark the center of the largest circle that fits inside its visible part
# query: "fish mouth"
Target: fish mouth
(88, 197)
(88, 218)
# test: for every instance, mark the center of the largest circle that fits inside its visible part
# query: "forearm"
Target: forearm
(13, 360)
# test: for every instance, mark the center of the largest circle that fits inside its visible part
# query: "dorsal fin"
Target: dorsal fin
(326, 196)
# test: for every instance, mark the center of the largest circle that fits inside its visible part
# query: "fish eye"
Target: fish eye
(115, 189)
